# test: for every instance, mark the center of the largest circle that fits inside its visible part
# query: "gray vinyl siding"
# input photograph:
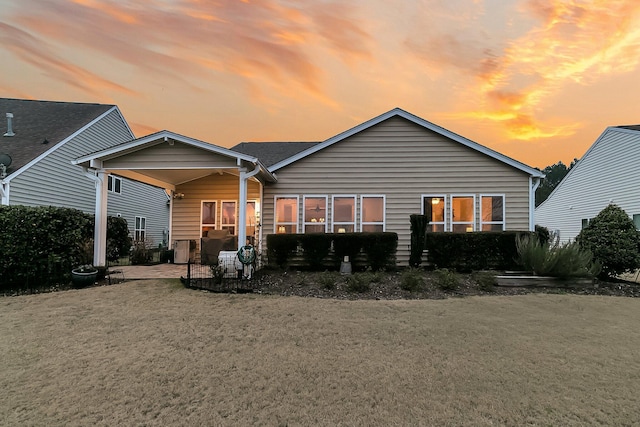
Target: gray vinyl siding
(139, 199)
(606, 174)
(402, 161)
(54, 181)
(187, 211)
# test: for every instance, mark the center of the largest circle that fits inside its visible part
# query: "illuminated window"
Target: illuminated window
(208, 216)
(286, 214)
(492, 213)
(315, 214)
(343, 214)
(252, 219)
(463, 213)
(372, 213)
(433, 207)
(228, 216)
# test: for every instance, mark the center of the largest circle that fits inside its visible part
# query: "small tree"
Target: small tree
(419, 225)
(613, 240)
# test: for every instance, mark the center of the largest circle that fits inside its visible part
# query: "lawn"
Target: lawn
(153, 353)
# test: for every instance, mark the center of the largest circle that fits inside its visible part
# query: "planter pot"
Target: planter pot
(83, 279)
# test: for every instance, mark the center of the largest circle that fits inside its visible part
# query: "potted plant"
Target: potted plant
(85, 274)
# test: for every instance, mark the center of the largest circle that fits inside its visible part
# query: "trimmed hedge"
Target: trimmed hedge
(474, 251)
(374, 250)
(40, 245)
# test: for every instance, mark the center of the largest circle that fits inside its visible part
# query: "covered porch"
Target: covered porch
(211, 189)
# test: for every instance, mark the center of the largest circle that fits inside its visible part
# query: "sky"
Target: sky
(537, 80)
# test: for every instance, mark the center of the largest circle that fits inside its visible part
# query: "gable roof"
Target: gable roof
(273, 152)
(41, 125)
(633, 130)
(398, 112)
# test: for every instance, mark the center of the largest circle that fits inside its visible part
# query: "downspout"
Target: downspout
(242, 217)
(534, 183)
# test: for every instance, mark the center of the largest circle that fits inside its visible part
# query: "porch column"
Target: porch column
(100, 230)
(242, 212)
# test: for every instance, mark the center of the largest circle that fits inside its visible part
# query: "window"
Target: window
(252, 220)
(372, 213)
(315, 214)
(462, 213)
(114, 184)
(433, 207)
(636, 220)
(585, 222)
(286, 214)
(492, 213)
(208, 216)
(140, 232)
(228, 216)
(344, 214)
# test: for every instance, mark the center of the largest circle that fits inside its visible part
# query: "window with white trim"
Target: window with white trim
(228, 215)
(286, 214)
(140, 230)
(372, 213)
(434, 207)
(252, 219)
(492, 210)
(114, 184)
(208, 216)
(463, 213)
(314, 214)
(343, 214)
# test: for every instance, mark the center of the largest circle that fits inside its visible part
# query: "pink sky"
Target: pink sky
(537, 80)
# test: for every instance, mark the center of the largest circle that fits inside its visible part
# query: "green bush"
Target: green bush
(315, 248)
(446, 279)
(327, 280)
(118, 238)
(613, 240)
(380, 249)
(357, 282)
(412, 279)
(419, 225)
(473, 251)
(347, 244)
(280, 248)
(485, 280)
(555, 260)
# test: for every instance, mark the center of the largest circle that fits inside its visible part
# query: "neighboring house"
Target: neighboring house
(369, 178)
(606, 174)
(41, 138)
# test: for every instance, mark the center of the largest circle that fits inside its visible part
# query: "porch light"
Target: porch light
(178, 196)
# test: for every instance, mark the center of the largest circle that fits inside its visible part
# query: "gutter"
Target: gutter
(534, 183)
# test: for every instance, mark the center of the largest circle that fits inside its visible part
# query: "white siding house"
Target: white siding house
(607, 173)
(46, 136)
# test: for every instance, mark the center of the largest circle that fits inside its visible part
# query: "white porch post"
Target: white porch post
(242, 212)
(100, 231)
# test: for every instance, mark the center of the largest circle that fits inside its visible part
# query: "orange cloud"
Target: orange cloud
(272, 45)
(36, 52)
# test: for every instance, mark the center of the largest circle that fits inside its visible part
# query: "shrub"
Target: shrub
(446, 279)
(380, 249)
(315, 248)
(327, 280)
(347, 244)
(555, 260)
(118, 239)
(357, 282)
(543, 234)
(141, 253)
(485, 280)
(614, 241)
(412, 280)
(419, 225)
(281, 247)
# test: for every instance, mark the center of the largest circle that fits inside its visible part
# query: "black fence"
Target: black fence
(229, 275)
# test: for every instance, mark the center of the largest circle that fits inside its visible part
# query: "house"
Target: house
(39, 142)
(605, 174)
(368, 178)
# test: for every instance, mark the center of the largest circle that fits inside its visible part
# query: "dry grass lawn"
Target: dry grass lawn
(154, 353)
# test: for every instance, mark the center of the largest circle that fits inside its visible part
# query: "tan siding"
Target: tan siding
(402, 161)
(186, 211)
(174, 156)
